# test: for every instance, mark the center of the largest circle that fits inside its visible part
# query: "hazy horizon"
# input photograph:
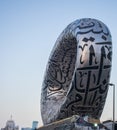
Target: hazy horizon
(28, 31)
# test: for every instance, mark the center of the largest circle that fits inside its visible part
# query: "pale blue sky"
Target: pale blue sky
(28, 31)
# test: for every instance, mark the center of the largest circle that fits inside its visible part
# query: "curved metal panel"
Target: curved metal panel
(78, 72)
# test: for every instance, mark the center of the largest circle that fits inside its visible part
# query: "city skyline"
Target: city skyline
(11, 125)
(28, 32)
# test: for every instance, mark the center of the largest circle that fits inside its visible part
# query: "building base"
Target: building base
(74, 123)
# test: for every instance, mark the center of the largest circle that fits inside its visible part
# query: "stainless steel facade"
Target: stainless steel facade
(78, 72)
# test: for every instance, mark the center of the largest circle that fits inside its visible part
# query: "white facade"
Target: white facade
(10, 125)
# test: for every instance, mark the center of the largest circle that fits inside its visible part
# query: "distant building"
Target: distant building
(26, 128)
(34, 126)
(10, 125)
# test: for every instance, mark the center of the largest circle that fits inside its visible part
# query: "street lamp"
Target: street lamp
(113, 103)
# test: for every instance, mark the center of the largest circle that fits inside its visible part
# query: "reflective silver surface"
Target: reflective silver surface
(78, 71)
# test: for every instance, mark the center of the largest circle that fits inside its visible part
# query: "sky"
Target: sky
(28, 31)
